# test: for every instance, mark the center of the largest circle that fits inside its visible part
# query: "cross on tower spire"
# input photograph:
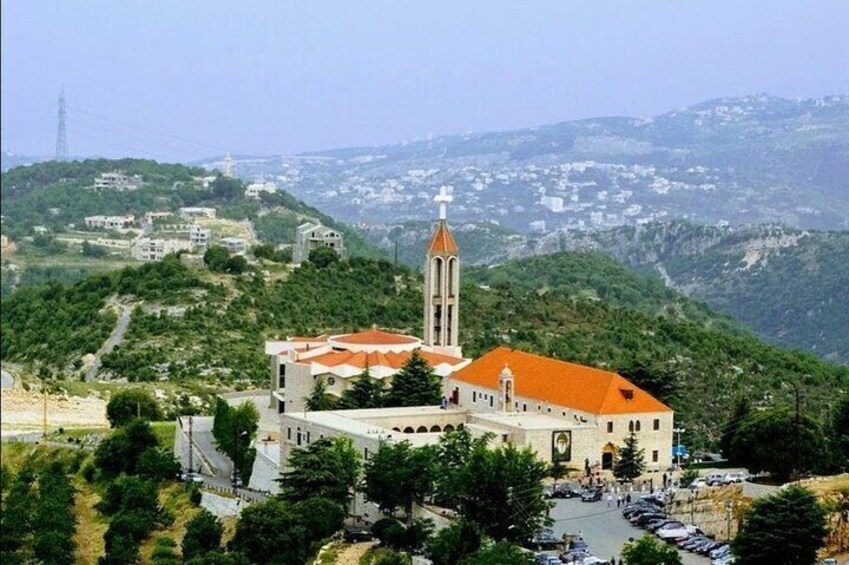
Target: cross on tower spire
(443, 199)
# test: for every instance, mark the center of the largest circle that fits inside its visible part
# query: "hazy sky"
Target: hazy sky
(179, 79)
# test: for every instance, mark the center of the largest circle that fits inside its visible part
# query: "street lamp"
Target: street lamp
(678, 431)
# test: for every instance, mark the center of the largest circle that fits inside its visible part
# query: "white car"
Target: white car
(677, 532)
(715, 479)
(727, 560)
(699, 483)
(735, 478)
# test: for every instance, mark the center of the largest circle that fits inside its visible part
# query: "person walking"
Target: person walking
(609, 499)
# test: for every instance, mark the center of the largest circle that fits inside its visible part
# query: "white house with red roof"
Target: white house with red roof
(298, 363)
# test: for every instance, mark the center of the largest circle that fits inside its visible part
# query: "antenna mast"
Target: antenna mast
(61, 141)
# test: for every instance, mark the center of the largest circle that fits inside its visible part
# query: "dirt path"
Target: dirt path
(352, 554)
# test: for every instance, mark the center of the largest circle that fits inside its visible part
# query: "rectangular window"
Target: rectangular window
(289, 434)
(524, 407)
(610, 427)
(474, 396)
(281, 406)
(308, 438)
(654, 456)
(491, 398)
(281, 381)
(656, 424)
(365, 453)
(298, 439)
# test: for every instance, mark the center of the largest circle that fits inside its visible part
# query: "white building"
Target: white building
(311, 236)
(198, 237)
(150, 217)
(110, 222)
(155, 249)
(197, 212)
(234, 245)
(553, 203)
(254, 189)
(116, 181)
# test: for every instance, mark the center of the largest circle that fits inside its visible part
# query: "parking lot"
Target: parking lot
(602, 527)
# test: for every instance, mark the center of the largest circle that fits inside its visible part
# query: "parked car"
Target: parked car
(698, 483)
(715, 479)
(356, 534)
(643, 520)
(677, 531)
(545, 539)
(721, 551)
(191, 478)
(735, 478)
(591, 495)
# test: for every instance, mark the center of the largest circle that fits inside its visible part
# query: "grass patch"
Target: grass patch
(174, 498)
(91, 525)
(164, 432)
(329, 555)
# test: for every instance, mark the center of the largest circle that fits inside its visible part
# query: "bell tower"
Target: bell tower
(442, 285)
(506, 385)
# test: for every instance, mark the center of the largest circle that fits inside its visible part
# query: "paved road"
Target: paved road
(114, 339)
(224, 467)
(6, 380)
(604, 529)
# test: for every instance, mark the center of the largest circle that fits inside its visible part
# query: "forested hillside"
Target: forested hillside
(791, 287)
(195, 325)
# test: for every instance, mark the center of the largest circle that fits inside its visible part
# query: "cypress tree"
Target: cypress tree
(631, 462)
(415, 384)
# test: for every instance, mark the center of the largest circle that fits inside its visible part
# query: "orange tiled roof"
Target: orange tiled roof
(361, 359)
(376, 337)
(564, 384)
(442, 240)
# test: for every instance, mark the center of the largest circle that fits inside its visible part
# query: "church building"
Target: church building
(567, 413)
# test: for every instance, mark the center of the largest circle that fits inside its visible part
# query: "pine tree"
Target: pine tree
(787, 527)
(365, 392)
(318, 399)
(415, 384)
(741, 412)
(631, 462)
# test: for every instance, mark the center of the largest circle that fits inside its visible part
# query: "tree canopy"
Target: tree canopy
(649, 551)
(786, 527)
(415, 384)
(327, 468)
(130, 403)
(631, 463)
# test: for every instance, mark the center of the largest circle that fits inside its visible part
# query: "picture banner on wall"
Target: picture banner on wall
(561, 446)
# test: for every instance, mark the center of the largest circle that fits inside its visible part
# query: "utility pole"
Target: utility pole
(191, 448)
(692, 507)
(797, 439)
(61, 140)
(44, 411)
(729, 506)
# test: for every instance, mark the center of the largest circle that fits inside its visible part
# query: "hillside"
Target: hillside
(189, 326)
(57, 197)
(787, 285)
(749, 160)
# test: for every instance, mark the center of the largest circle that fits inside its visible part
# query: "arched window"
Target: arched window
(452, 276)
(408, 430)
(421, 430)
(396, 429)
(435, 429)
(637, 427)
(437, 276)
(631, 426)
(449, 428)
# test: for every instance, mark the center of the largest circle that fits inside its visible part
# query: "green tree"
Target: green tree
(203, 535)
(54, 522)
(786, 527)
(94, 251)
(777, 442)
(157, 464)
(740, 413)
(557, 471)
(216, 258)
(364, 392)
(455, 542)
(502, 492)
(236, 265)
(130, 403)
(16, 514)
(415, 384)
(323, 257)
(269, 532)
(319, 400)
(234, 428)
(398, 475)
(454, 450)
(227, 188)
(840, 430)
(501, 553)
(631, 463)
(322, 517)
(687, 477)
(328, 468)
(120, 452)
(649, 551)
